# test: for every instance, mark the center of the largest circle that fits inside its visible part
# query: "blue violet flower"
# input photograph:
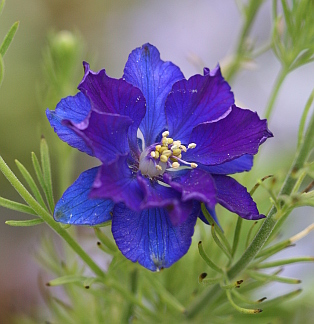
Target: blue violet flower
(166, 144)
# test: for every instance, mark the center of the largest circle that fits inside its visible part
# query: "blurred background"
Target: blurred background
(192, 34)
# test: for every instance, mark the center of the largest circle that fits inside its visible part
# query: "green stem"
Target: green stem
(279, 80)
(265, 230)
(43, 214)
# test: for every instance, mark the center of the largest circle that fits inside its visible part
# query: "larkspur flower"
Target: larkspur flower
(166, 144)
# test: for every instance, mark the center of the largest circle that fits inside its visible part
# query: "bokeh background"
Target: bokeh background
(192, 34)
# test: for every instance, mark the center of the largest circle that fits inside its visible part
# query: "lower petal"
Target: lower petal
(149, 238)
(233, 196)
(77, 208)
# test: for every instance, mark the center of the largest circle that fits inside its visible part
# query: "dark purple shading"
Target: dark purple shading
(73, 108)
(241, 132)
(197, 100)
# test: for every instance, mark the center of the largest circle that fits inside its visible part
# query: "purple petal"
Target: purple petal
(157, 195)
(115, 96)
(75, 109)
(195, 185)
(117, 182)
(240, 164)
(105, 134)
(149, 238)
(197, 100)
(235, 198)
(154, 77)
(77, 208)
(241, 132)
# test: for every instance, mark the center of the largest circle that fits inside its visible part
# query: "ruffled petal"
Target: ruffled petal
(234, 197)
(149, 237)
(76, 109)
(241, 132)
(105, 134)
(115, 96)
(77, 208)
(197, 100)
(240, 164)
(158, 195)
(154, 77)
(117, 182)
(195, 185)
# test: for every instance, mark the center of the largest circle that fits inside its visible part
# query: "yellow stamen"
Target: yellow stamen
(183, 148)
(158, 147)
(167, 153)
(153, 154)
(156, 155)
(194, 165)
(170, 140)
(165, 134)
(176, 152)
(158, 167)
(164, 141)
(175, 165)
(177, 143)
(191, 145)
(163, 148)
(163, 158)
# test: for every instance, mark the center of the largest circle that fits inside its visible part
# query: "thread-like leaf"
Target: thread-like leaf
(16, 206)
(30, 222)
(8, 38)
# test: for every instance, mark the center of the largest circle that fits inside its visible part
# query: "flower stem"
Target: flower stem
(279, 80)
(44, 215)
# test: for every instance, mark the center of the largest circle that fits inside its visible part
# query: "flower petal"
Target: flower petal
(149, 237)
(195, 185)
(105, 134)
(115, 96)
(76, 109)
(154, 77)
(158, 195)
(241, 132)
(235, 198)
(77, 208)
(197, 100)
(117, 182)
(240, 164)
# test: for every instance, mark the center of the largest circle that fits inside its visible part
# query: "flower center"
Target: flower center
(156, 158)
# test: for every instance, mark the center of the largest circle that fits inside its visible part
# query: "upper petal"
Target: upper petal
(240, 164)
(235, 198)
(76, 109)
(77, 208)
(150, 238)
(114, 96)
(105, 134)
(117, 182)
(197, 100)
(154, 77)
(241, 132)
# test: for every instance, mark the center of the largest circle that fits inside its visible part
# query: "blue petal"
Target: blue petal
(76, 207)
(154, 77)
(115, 96)
(149, 237)
(233, 196)
(105, 134)
(116, 181)
(75, 109)
(241, 164)
(197, 100)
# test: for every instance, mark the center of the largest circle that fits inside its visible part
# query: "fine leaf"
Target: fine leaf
(32, 185)
(8, 38)
(16, 206)
(38, 171)
(1, 6)
(30, 222)
(46, 168)
(67, 279)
